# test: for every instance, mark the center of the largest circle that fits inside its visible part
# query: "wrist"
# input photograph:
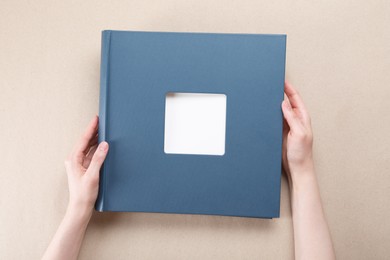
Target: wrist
(302, 168)
(79, 213)
(303, 180)
(302, 173)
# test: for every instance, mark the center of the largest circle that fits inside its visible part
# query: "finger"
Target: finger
(98, 158)
(296, 101)
(84, 142)
(92, 142)
(286, 128)
(88, 158)
(293, 96)
(289, 115)
(92, 151)
(89, 151)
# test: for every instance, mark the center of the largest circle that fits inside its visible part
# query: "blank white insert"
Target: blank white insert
(195, 123)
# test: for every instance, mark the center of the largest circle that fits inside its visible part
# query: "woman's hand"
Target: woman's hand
(312, 238)
(82, 167)
(297, 135)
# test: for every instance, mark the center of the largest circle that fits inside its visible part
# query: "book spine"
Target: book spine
(103, 99)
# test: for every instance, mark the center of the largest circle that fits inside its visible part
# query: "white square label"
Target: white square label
(195, 123)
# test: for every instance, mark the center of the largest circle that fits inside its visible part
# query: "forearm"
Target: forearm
(311, 233)
(69, 236)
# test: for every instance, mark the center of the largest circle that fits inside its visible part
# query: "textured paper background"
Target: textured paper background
(338, 56)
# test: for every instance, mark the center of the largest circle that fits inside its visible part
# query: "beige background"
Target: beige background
(338, 56)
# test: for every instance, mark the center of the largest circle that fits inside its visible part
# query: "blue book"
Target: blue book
(139, 71)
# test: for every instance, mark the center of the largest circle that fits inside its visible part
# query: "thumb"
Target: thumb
(98, 158)
(289, 115)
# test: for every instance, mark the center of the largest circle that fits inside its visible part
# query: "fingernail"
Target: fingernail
(103, 146)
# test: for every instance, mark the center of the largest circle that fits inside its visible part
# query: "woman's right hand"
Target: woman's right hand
(297, 135)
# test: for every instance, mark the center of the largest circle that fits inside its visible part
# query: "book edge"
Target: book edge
(103, 99)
